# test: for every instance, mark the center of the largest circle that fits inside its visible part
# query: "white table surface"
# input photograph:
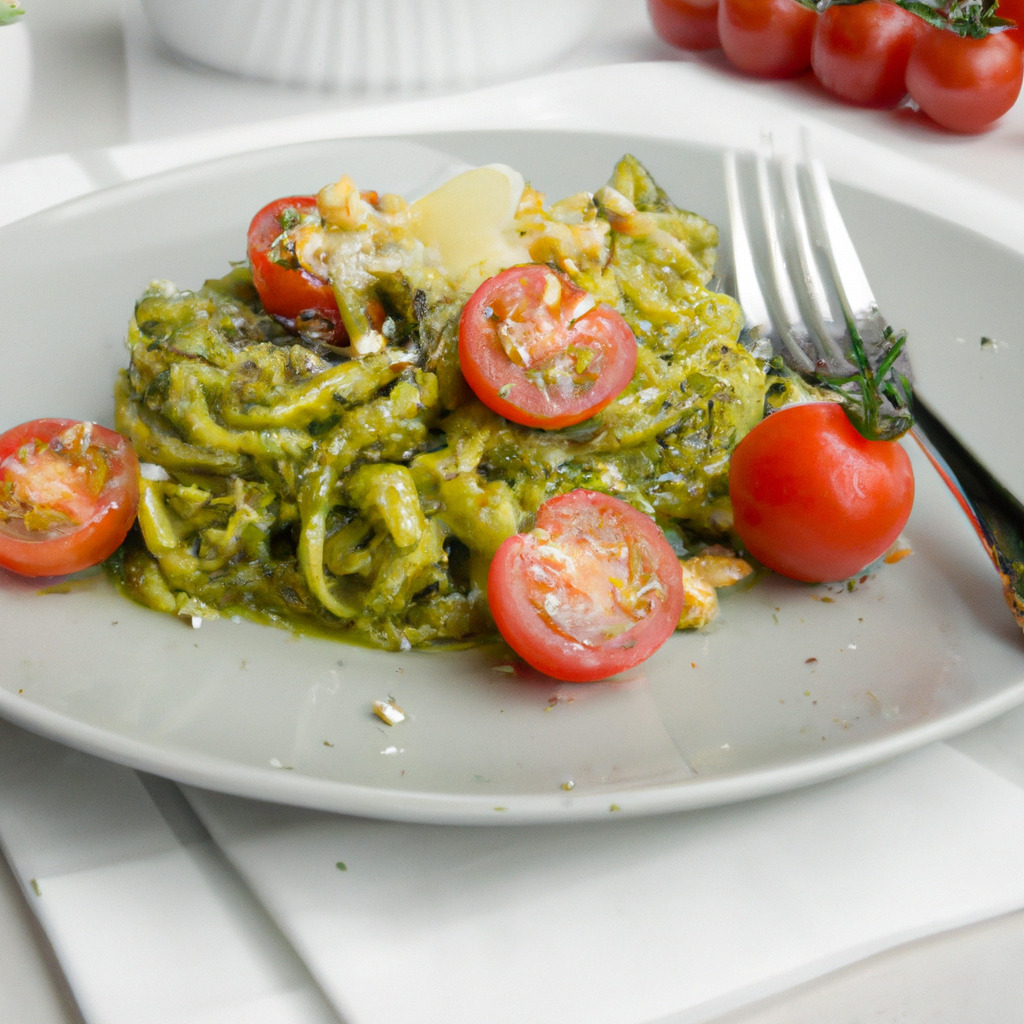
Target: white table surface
(98, 81)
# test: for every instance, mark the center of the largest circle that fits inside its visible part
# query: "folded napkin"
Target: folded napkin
(675, 918)
(148, 922)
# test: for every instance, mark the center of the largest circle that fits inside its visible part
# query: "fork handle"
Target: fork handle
(997, 516)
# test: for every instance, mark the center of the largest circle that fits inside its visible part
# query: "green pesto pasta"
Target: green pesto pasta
(363, 495)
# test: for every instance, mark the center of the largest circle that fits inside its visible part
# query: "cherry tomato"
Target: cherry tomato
(688, 24)
(1013, 10)
(964, 84)
(767, 38)
(592, 590)
(860, 51)
(812, 498)
(286, 289)
(537, 350)
(68, 496)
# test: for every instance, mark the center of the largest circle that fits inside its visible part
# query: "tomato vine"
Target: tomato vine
(967, 18)
(877, 398)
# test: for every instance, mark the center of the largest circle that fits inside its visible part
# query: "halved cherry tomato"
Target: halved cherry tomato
(68, 496)
(965, 84)
(592, 590)
(688, 24)
(536, 349)
(767, 38)
(812, 498)
(860, 51)
(286, 289)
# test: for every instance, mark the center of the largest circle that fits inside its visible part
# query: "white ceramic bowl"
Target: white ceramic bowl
(374, 46)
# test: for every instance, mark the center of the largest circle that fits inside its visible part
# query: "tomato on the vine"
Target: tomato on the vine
(767, 38)
(688, 24)
(594, 589)
(537, 350)
(285, 288)
(960, 63)
(965, 84)
(860, 51)
(69, 492)
(812, 498)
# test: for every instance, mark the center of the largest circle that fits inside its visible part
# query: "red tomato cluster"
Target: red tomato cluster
(871, 53)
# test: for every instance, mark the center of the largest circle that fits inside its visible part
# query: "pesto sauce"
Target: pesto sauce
(364, 497)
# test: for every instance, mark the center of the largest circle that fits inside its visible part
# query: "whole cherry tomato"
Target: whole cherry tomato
(812, 498)
(964, 84)
(767, 38)
(688, 24)
(860, 51)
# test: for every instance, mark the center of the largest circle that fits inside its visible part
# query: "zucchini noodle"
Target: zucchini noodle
(363, 495)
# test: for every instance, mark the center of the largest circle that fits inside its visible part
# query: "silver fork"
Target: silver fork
(803, 289)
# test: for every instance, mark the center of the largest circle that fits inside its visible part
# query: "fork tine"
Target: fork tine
(856, 298)
(855, 294)
(778, 325)
(827, 332)
(744, 269)
(789, 319)
(877, 348)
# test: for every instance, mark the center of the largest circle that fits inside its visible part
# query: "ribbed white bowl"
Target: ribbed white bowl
(374, 46)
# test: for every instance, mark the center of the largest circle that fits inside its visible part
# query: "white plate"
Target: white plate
(793, 685)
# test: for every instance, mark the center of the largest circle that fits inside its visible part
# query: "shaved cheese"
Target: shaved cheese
(468, 222)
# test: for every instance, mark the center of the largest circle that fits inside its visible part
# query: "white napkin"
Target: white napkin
(676, 918)
(147, 921)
